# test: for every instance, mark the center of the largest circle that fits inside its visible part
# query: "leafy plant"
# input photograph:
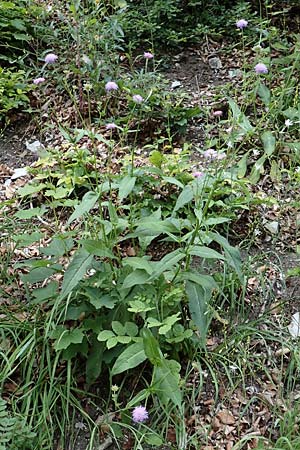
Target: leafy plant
(13, 91)
(14, 433)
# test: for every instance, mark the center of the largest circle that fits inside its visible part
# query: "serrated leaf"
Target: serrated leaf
(131, 357)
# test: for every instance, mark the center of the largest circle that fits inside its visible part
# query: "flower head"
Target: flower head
(148, 55)
(137, 98)
(50, 58)
(198, 174)
(38, 80)
(111, 126)
(140, 414)
(111, 86)
(213, 154)
(261, 68)
(218, 113)
(242, 23)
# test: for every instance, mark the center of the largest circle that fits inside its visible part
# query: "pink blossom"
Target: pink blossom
(111, 126)
(50, 58)
(137, 98)
(38, 80)
(261, 68)
(111, 86)
(140, 414)
(198, 174)
(218, 113)
(148, 55)
(242, 23)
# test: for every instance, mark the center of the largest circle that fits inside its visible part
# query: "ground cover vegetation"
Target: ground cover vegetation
(144, 300)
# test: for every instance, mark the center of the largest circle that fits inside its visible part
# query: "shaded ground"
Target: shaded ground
(13, 152)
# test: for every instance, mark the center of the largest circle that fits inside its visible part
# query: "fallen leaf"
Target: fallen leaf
(226, 417)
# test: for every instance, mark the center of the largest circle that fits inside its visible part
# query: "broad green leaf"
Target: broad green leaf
(166, 381)
(139, 263)
(26, 239)
(205, 252)
(269, 142)
(126, 186)
(264, 93)
(97, 248)
(30, 189)
(168, 323)
(38, 274)
(166, 263)
(69, 337)
(131, 357)
(118, 328)
(257, 169)
(94, 361)
(151, 347)
(173, 180)
(240, 117)
(186, 196)
(131, 329)
(112, 342)
(242, 166)
(58, 247)
(123, 339)
(198, 304)
(206, 281)
(45, 293)
(75, 271)
(105, 335)
(98, 299)
(87, 203)
(135, 278)
(32, 212)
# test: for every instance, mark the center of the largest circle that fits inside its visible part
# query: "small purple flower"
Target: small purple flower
(137, 98)
(210, 153)
(111, 126)
(140, 414)
(111, 86)
(220, 156)
(148, 55)
(50, 58)
(218, 113)
(261, 68)
(242, 23)
(38, 80)
(198, 174)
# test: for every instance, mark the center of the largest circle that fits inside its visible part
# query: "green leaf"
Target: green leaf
(131, 357)
(126, 186)
(240, 117)
(38, 274)
(166, 381)
(67, 338)
(232, 254)
(98, 299)
(105, 335)
(45, 293)
(131, 329)
(151, 347)
(257, 169)
(205, 252)
(264, 93)
(32, 212)
(97, 248)
(139, 263)
(111, 342)
(269, 142)
(166, 263)
(30, 189)
(153, 439)
(94, 361)
(118, 328)
(59, 246)
(75, 271)
(186, 196)
(135, 278)
(198, 304)
(87, 203)
(242, 166)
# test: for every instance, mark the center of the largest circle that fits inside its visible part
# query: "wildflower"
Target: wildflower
(220, 156)
(218, 113)
(137, 98)
(111, 126)
(148, 55)
(50, 58)
(210, 153)
(288, 123)
(140, 414)
(242, 23)
(261, 68)
(198, 174)
(38, 80)
(111, 86)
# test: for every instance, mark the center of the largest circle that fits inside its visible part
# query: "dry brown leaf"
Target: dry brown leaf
(226, 417)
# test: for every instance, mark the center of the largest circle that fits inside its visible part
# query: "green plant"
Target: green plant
(13, 91)
(14, 433)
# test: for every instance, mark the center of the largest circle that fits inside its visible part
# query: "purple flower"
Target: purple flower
(111, 126)
(137, 98)
(148, 55)
(198, 174)
(261, 68)
(242, 23)
(218, 113)
(210, 153)
(140, 414)
(38, 80)
(50, 58)
(111, 86)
